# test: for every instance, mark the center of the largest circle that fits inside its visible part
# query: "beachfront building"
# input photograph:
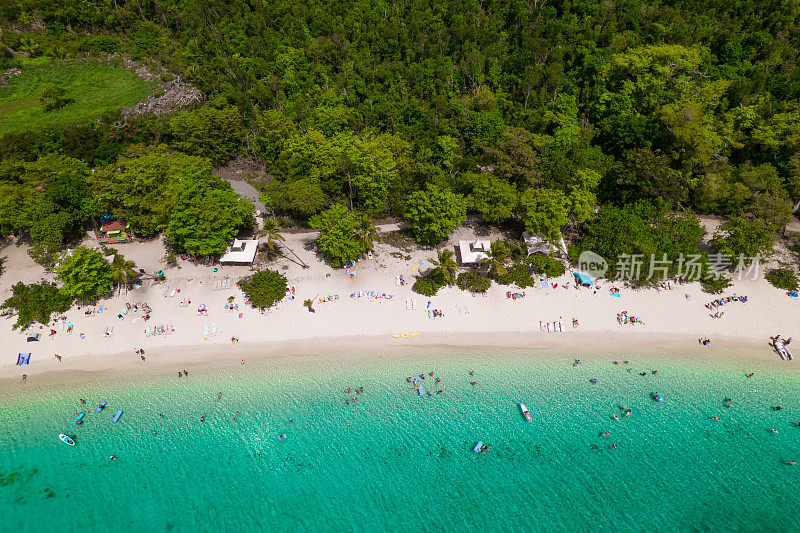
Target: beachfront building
(113, 232)
(241, 252)
(473, 252)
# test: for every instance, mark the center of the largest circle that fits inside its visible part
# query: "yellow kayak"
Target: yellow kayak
(406, 334)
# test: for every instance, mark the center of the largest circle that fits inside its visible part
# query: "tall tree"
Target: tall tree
(446, 264)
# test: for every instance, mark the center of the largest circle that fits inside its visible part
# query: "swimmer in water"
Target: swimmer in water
(792, 463)
(219, 396)
(713, 418)
(774, 430)
(113, 458)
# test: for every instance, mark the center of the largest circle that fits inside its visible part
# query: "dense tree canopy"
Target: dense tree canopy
(534, 112)
(338, 239)
(264, 288)
(85, 274)
(433, 213)
(35, 302)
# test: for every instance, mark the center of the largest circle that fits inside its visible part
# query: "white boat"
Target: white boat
(525, 412)
(783, 351)
(66, 439)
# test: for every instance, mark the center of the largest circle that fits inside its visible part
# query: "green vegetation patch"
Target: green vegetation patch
(54, 93)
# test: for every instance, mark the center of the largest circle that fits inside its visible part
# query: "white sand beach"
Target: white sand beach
(676, 315)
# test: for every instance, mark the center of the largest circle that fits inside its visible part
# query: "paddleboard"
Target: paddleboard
(406, 334)
(116, 416)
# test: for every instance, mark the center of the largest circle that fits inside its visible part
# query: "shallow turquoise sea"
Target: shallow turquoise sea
(396, 460)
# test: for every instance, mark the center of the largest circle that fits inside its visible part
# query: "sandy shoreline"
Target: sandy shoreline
(672, 319)
(321, 352)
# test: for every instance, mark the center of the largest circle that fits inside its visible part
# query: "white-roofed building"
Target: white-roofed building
(240, 253)
(473, 251)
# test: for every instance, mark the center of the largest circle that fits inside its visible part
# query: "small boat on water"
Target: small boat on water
(525, 412)
(67, 439)
(79, 419)
(101, 406)
(116, 416)
(657, 397)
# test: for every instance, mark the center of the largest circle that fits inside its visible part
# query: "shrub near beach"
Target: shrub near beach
(36, 302)
(783, 278)
(264, 288)
(85, 274)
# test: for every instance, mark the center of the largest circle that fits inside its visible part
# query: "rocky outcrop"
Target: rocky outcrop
(168, 97)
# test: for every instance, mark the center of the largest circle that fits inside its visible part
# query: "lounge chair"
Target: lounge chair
(205, 330)
(213, 329)
(148, 331)
(414, 304)
(408, 304)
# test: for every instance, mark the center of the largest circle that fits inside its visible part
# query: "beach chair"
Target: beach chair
(205, 330)
(109, 331)
(214, 329)
(558, 327)
(148, 331)
(173, 293)
(414, 304)
(408, 304)
(544, 283)
(100, 309)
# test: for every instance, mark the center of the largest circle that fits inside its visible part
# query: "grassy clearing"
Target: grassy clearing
(94, 88)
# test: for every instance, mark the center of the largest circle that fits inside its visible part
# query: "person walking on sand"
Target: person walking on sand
(58, 357)
(24, 377)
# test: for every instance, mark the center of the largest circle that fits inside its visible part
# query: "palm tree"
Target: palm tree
(122, 270)
(494, 263)
(367, 233)
(446, 264)
(271, 231)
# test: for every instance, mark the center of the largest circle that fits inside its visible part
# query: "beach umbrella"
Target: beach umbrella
(201, 307)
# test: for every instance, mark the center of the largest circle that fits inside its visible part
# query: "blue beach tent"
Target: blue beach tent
(583, 280)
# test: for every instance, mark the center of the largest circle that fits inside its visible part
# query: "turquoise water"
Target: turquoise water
(394, 460)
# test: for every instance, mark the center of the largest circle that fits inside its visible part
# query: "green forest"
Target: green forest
(581, 115)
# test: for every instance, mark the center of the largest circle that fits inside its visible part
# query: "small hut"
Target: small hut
(113, 231)
(241, 252)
